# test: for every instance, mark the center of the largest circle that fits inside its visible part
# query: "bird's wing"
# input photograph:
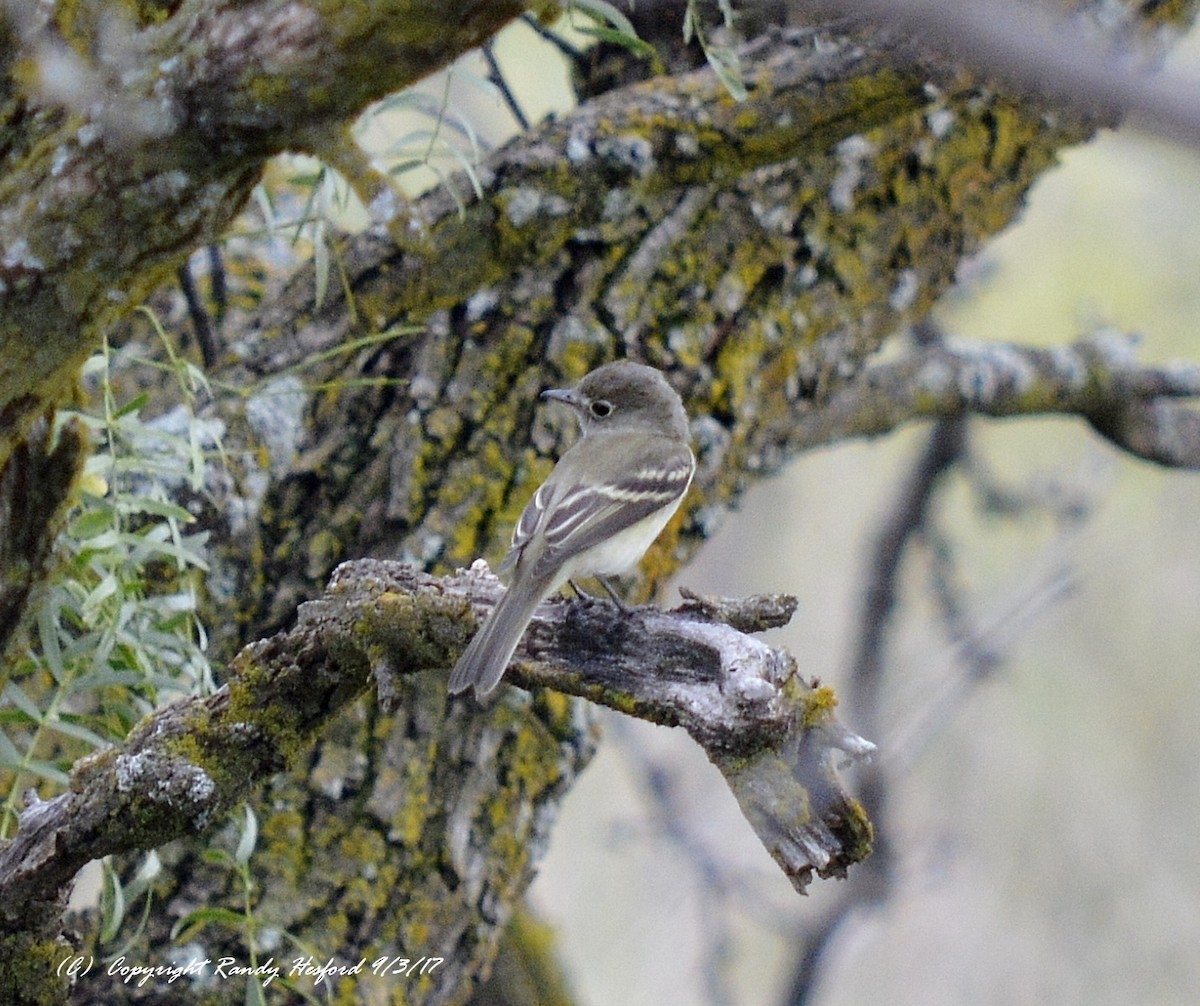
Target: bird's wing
(572, 511)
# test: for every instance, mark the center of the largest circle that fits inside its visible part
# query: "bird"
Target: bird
(602, 505)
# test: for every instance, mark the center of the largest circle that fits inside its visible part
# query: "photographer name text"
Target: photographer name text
(223, 968)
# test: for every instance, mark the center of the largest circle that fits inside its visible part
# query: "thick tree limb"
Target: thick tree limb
(773, 736)
(760, 252)
(117, 164)
(34, 486)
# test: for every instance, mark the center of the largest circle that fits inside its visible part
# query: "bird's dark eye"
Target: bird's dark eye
(600, 408)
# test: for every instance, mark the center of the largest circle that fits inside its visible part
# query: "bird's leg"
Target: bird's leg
(611, 591)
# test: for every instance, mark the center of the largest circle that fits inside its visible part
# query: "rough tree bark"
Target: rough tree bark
(759, 252)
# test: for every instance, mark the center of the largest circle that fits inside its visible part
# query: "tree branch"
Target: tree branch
(117, 163)
(1084, 55)
(759, 251)
(774, 736)
(34, 487)
(1138, 408)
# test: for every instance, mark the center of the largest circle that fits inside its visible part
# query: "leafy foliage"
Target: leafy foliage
(117, 630)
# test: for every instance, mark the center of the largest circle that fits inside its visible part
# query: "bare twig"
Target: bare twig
(973, 661)
(201, 323)
(944, 448)
(496, 76)
(1095, 58)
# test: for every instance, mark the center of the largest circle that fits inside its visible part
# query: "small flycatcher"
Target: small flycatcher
(602, 506)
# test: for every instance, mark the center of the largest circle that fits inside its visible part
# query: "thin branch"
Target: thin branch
(201, 323)
(772, 734)
(34, 489)
(977, 651)
(975, 660)
(496, 76)
(944, 448)
(1095, 58)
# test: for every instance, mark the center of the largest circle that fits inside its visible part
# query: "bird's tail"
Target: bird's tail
(483, 662)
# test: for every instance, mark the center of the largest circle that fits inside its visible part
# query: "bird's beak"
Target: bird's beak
(568, 396)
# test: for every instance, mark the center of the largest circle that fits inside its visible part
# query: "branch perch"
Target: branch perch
(773, 735)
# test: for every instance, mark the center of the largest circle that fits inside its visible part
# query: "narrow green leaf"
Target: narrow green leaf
(15, 694)
(601, 10)
(307, 179)
(146, 874)
(193, 922)
(48, 630)
(47, 770)
(79, 732)
(156, 508)
(729, 72)
(254, 993)
(91, 523)
(411, 164)
(106, 588)
(10, 757)
(642, 50)
(132, 407)
(321, 268)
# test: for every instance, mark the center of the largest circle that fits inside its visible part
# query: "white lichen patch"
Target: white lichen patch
(276, 413)
(525, 204)
(853, 154)
(172, 781)
(629, 151)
